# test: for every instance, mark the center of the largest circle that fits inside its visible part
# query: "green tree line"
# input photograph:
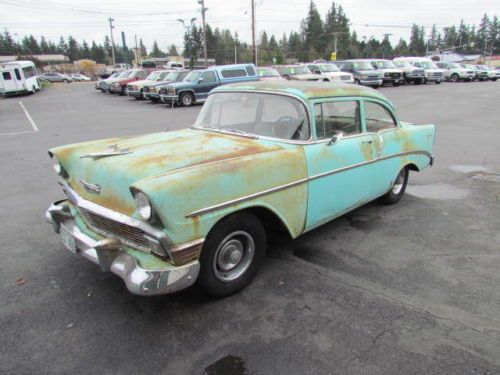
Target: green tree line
(315, 39)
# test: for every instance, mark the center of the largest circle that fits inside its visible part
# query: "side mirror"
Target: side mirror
(335, 138)
(200, 80)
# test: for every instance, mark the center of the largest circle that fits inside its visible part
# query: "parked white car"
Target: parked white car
(330, 72)
(454, 72)
(493, 74)
(432, 72)
(80, 77)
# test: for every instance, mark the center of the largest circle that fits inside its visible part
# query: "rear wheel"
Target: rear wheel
(398, 188)
(232, 255)
(418, 81)
(122, 91)
(454, 78)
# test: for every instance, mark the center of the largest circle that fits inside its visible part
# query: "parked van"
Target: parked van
(18, 77)
(432, 72)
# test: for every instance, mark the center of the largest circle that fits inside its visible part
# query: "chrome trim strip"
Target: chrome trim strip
(299, 182)
(245, 198)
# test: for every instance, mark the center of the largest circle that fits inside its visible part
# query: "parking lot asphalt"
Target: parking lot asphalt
(412, 288)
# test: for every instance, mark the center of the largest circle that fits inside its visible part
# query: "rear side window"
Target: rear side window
(208, 77)
(335, 117)
(250, 71)
(378, 117)
(18, 75)
(232, 73)
(6, 76)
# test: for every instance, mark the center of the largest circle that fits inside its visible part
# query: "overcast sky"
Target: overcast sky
(157, 19)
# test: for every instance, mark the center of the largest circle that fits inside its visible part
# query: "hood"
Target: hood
(391, 70)
(306, 77)
(159, 83)
(369, 72)
(336, 74)
(181, 84)
(146, 157)
(434, 70)
(143, 82)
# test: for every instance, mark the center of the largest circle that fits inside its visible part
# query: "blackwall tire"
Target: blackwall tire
(397, 189)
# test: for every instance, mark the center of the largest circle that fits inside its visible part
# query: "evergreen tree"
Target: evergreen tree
(172, 50)
(313, 34)
(156, 52)
(142, 48)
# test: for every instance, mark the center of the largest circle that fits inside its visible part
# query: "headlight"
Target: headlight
(143, 206)
(58, 168)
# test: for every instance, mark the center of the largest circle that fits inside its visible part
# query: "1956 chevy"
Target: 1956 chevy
(163, 211)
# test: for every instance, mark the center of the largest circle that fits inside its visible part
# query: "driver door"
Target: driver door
(338, 179)
(206, 83)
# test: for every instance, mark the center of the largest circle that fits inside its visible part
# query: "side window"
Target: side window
(208, 77)
(232, 73)
(18, 75)
(250, 71)
(417, 65)
(6, 76)
(332, 117)
(378, 117)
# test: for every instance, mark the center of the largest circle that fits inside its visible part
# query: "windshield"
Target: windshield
(385, 64)
(327, 68)
(482, 67)
(152, 76)
(364, 65)
(268, 72)
(455, 65)
(293, 70)
(268, 115)
(125, 74)
(402, 64)
(193, 76)
(427, 65)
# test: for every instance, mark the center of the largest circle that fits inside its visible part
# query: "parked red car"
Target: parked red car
(119, 84)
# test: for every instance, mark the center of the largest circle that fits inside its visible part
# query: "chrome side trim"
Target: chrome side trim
(300, 181)
(245, 198)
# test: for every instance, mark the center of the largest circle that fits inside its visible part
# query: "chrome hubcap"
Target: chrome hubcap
(398, 184)
(186, 99)
(233, 256)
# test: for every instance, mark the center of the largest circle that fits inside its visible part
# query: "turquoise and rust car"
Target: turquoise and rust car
(165, 210)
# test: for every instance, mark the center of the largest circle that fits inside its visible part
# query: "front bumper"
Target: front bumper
(152, 95)
(377, 82)
(115, 89)
(135, 94)
(168, 98)
(110, 255)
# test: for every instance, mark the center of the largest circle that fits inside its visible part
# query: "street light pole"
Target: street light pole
(111, 27)
(203, 10)
(254, 49)
(188, 30)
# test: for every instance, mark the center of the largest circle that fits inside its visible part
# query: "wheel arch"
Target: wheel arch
(412, 167)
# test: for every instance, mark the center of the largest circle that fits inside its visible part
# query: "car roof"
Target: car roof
(305, 90)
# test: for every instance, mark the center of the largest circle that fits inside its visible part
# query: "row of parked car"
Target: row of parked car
(186, 87)
(66, 78)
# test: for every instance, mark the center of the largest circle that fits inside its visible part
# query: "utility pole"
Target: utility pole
(254, 49)
(137, 53)
(335, 38)
(203, 10)
(111, 27)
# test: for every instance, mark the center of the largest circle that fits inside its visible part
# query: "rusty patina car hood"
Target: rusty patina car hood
(145, 157)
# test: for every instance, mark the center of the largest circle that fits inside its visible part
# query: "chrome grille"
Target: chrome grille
(131, 236)
(345, 78)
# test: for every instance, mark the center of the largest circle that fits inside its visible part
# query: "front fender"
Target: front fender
(190, 201)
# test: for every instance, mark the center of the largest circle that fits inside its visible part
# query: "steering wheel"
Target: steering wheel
(282, 123)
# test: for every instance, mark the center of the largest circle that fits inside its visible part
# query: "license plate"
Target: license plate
(67, 239)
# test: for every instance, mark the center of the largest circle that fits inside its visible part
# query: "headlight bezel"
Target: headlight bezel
(143, 206)
(58, 167)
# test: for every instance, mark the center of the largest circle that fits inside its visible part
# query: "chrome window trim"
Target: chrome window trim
(288, 141)
(299, 182)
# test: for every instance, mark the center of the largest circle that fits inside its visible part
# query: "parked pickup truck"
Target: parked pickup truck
(119, 84)
(297, 73)
(390, 72)
(455, 72)
(432, 72)
(411, 73)
(152, 90)
(135, 89)
(492, 74)
(197, 84)
(330, 72)
(364, 73)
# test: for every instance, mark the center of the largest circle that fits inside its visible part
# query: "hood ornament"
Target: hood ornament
(112, 150)
(91, 188)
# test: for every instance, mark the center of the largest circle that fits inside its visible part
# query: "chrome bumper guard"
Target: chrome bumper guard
(110, 257)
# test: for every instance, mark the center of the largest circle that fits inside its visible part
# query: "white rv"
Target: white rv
(18, 77)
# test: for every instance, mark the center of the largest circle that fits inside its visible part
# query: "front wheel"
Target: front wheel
(186, 99)
(398, 188)
(232, 255)
(438, 82)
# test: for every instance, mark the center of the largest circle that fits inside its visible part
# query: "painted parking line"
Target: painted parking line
(33, 125)
(31, 121)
